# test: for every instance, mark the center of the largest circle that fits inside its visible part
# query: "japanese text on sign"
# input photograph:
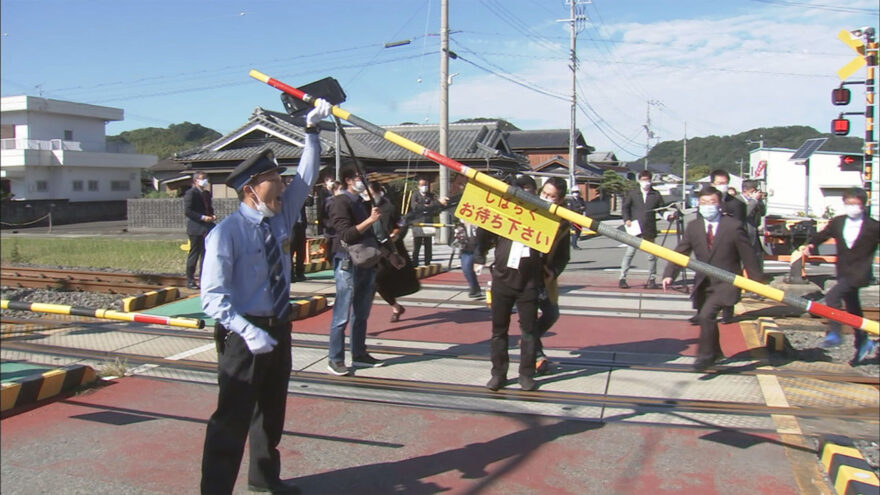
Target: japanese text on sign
(507, 216)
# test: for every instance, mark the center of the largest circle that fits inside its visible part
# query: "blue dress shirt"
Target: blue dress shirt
(235, 274)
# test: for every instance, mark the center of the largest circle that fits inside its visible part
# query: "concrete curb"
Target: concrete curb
(849, 472)
(304, 308)
(316, 266)
(771, 337)
(150, 299)
(425, 271)
(39, 387)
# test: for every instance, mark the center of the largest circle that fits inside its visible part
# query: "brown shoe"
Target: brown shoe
(395, 315)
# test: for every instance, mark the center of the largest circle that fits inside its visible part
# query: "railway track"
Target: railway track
(86, 280)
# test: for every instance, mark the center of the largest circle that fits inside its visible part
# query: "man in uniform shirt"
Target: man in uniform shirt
(246, 290)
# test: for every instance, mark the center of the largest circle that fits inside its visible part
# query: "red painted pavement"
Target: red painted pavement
(140, 435)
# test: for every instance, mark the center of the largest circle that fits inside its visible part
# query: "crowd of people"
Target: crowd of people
(249, 260)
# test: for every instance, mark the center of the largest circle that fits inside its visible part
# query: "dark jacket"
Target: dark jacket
(731, 251)
(733, 207)
(853, 264)
(345, 212)
(643, 210)
(321, 196)
(560, 253)
(197, 203)
(421, 209)
(528, 274)
(755, 210)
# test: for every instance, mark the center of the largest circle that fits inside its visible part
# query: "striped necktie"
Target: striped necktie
(278, 288)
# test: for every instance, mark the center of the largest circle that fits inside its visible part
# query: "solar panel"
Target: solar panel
(808, 148)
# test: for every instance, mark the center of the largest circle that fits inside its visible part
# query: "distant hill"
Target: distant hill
(726, 151)
(166, 142)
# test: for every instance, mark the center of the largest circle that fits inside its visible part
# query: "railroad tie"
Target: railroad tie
(848, 470)
(42, 386)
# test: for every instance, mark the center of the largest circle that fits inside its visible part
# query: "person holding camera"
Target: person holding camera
(355, 285)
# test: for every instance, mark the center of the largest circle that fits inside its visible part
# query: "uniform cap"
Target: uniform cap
(262, 162)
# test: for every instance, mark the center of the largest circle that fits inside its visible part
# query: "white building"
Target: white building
(786, 182)
(53, 149)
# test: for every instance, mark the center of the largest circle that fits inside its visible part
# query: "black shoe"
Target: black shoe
(527, 383)
(300, 278)
(694, 320)
(496, 382)
(476, 294)
(652, 285)
(727, 315)
(367, 360)
(338, 368)
(622, 284)
(278, 487)
(192, 285)
(542, 365)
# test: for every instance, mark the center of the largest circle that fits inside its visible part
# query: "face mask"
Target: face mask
(723, 188)
(423, 189)
(328, 184)
(709, 212)
(263, 208)
(203, 183)
(853, 211)
(359, 186)
(645, 184)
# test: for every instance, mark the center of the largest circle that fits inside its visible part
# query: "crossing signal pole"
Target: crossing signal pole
(863, 41)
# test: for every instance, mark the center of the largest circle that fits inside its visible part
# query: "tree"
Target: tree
(614, 184)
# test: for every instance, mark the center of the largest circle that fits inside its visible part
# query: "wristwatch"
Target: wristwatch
(311, 129)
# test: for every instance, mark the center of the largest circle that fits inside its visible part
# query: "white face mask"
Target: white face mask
(709, 212)
(328, 184)
(262, 207)
(423, 189)
(358, 186)
(722, 188)
(645, 184)
(853, 211)
(203, 183)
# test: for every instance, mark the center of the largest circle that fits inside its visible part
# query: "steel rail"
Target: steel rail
(556, 210)
(656, 404)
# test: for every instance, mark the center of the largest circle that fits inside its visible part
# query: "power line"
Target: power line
(832, 8)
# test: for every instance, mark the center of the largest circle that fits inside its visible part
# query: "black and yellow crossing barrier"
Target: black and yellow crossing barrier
(43, 386)
(102, 313)
(150, 299)
(304, 308)
(667, 254)
(847, 468)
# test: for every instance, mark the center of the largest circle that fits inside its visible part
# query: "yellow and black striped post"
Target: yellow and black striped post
(649, 247)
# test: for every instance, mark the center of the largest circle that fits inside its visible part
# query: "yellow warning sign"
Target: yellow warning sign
(507, 216)
(855, 64)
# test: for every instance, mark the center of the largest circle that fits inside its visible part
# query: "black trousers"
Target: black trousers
(707, 315)
(251, 402)
(843, 291)
(298, 246)
(195, 257)
(417, 245)
(503, 300)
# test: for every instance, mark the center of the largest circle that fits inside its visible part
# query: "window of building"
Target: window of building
(7, 131)
(42, 186)
(77, 185)
(93, 185)
(68, 135)
(120, 185)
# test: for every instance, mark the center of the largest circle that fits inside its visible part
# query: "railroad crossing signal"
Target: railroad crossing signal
(851, 162)
(840, 126)
(856, 63)
(840, 96)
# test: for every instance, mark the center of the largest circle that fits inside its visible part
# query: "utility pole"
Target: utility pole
(684, 167)
(649, 134)
(576, 25)
(444, 111)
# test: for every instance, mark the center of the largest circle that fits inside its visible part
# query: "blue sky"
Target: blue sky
(715, 67)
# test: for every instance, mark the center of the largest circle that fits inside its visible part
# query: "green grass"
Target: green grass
(150, 256)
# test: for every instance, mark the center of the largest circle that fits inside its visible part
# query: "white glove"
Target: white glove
(258, 341)
(317, 114)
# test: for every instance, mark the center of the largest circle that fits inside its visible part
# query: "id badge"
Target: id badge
(518, 251)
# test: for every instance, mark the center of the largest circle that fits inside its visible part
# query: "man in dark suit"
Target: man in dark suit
(857, 236)
(641, 205)
(730, 206)
(720, 241)
(755, 211)
(200, 220)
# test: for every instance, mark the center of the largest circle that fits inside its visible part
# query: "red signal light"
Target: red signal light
(840, 96)
(840, 127)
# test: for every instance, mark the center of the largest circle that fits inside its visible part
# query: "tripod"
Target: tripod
(678, 220)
